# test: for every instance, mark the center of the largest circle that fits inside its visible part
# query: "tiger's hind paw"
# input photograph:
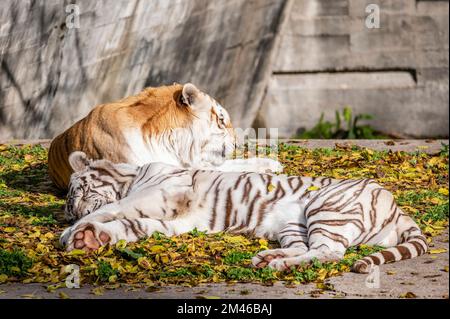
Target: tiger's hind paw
(265, 257)
(279, 264)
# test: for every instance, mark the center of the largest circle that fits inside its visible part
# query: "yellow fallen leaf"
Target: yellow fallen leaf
(164, 258)
(445, 269)
(9, 229)
(322, 274)
(270, 188)
(15, 269)
(437, 251)
(443, 191)
(77, 252)
(408, 295)
(28, 157)
(52, 288)
(208, 297)
(333, 272)
(49, 235)
(433, 161)
(36, 234)
(121, 244)
(436, 200)
(63, 295)
(99, 291)
(236, 239)
(144, 263)
(313, 188)
(3, 278)
(31, 296)
(157, 249)
(263, 244)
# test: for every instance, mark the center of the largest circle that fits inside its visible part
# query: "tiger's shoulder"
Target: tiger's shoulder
(100, 133)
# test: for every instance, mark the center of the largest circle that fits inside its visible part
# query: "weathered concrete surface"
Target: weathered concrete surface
(52, 75)
(328, 59)
(422, 277)
(318, 57)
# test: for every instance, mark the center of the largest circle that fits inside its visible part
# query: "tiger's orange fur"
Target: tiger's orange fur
(100, 136)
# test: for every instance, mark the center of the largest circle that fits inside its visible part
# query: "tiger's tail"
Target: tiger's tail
(413, 244)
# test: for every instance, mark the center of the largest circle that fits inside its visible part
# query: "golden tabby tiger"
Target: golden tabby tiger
(178, 125)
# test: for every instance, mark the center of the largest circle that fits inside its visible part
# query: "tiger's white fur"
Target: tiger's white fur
(310, 217)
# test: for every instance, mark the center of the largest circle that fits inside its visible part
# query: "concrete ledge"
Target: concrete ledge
(427, 146)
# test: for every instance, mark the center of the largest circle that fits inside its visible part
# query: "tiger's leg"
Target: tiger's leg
(293, 240)
(322, 246)
(150, 203)
(91, 235)
(405, 242)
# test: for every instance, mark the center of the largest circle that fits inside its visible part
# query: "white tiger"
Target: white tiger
(310, 217)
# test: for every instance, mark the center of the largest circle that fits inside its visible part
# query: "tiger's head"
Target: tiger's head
(187, 125)
(212, 130)
(95, 183)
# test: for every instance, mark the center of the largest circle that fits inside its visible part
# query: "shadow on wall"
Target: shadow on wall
(53, 75)
(31, 95)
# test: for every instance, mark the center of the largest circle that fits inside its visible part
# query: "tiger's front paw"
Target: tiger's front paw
(87, 237)
(267, 165)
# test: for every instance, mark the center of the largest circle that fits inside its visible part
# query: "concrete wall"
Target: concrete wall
(328, 59)
(52, 75)
(288, 68)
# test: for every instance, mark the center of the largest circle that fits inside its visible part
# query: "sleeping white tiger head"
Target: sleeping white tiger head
(95, 183)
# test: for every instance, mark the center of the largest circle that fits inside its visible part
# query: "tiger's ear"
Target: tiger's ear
(78, 161)
(190, 94)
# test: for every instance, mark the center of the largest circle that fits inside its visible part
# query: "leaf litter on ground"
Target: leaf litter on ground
(31, 221)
